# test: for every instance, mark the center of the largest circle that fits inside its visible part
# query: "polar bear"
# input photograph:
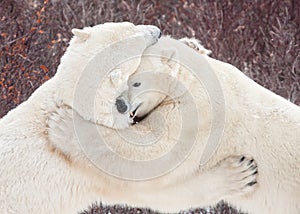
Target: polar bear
(36, 175)
(143, 166)
(71, 143)
(257, 122)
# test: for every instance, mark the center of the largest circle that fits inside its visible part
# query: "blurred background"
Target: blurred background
(260, 37)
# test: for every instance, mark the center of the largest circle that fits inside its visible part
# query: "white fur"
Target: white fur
(38, 177)
(47, 143)
(258, 123)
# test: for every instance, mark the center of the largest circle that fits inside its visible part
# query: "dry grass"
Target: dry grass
(262, 38)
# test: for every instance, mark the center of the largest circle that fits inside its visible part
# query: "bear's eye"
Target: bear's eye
(136, 84)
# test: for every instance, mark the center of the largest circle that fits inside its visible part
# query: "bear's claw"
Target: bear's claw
(239, 175)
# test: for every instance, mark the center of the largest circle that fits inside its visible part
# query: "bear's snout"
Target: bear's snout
(152, 32)
(121, 105)
(160, 34)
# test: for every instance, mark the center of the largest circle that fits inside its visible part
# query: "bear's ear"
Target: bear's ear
(81, 34)
(170, 57)
(115, 77)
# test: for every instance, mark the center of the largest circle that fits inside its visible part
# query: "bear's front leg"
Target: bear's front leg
(232, 177)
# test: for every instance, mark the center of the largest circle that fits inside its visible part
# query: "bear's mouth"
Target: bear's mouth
(138, 119)
(134, 118)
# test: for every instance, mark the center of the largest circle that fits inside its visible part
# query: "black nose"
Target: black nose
(121, 105)
(160, 34)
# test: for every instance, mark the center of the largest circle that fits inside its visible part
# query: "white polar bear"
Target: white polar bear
(63, 148)
(257, 122)
(53, 160)
(38, 177)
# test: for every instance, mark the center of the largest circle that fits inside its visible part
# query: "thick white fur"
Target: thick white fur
(44, 168)
(258, 123)
(38, 177)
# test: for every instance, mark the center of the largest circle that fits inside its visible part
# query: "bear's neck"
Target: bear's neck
(254, 115)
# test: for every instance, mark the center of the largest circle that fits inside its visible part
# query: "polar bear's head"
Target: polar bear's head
(151, 84)
(97, 65)
(161, 74)
(154, 80)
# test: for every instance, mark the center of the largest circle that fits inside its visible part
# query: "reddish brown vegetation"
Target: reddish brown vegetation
(262, 38)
